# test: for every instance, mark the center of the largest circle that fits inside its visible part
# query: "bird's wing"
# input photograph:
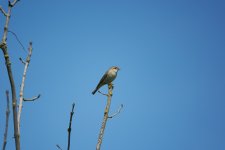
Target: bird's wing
(101, 82)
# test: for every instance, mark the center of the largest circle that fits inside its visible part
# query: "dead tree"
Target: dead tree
(4, 47)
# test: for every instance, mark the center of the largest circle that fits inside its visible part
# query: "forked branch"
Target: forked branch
(13, 3)
(105, 118)
(23, 83)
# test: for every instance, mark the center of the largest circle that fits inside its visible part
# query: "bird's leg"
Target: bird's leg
(110, 85)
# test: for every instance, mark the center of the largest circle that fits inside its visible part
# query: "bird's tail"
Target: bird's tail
(94, 91)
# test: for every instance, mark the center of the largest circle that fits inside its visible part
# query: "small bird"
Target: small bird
(107, 78)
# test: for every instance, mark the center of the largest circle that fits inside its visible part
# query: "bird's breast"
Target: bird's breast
(110, 77)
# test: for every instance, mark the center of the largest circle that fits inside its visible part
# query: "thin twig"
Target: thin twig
(6, 121)
(23, 84)
(102, 93)
(70, 123)
(2, 10)
(32, 99)
(23, 62)
(18, 40)
(118, 111)
(105, 118)
(58, 147)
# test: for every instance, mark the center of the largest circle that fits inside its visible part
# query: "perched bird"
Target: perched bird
(107, 78)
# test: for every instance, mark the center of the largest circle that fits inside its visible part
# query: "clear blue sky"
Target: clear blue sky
(172, 78)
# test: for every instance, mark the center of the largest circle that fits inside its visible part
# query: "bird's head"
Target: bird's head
(115, 68)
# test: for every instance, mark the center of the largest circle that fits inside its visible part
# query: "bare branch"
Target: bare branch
(4, 47)
(58, 147)
(13, 90)
(105, 118)
(118, 111)
(23, 84)
(2, 10)
(32, 99)
(6, 121)
(70, 123)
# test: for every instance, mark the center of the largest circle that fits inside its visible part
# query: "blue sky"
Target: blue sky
(171, 83)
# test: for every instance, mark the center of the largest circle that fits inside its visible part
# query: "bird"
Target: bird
(107, 78)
